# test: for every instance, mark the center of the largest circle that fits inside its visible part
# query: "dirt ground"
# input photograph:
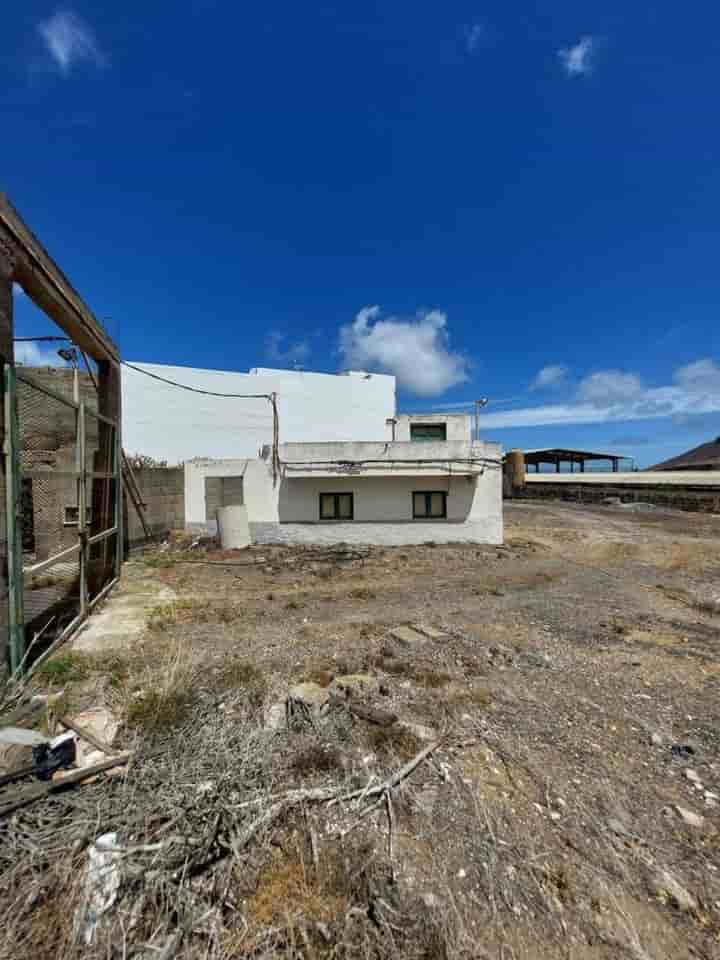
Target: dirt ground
(560, 695)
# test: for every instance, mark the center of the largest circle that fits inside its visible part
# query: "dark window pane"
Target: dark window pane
(327, 506)
(428, 431)
(418, 504)
(345, 506)
(437, 504)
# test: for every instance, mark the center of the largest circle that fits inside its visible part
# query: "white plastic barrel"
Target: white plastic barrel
(233, 528)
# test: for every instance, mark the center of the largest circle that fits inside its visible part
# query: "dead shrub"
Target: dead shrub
(238, 675)
(316, 758)
(393, 742)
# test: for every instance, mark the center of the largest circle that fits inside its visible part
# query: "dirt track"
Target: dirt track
(577, 679)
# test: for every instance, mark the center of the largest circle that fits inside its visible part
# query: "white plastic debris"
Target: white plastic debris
(100, 888)
(20, 737)
(103, 724)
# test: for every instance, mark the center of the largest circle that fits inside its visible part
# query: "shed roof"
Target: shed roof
(550, 454)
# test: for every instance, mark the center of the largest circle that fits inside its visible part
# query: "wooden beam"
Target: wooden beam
(48, 287)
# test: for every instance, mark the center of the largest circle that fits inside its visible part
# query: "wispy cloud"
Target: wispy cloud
(552, 376)
(416, 350)
(473, 33)
(578, 59)
(17, 289)
(70, 40)
(283, 353)
(613, 395)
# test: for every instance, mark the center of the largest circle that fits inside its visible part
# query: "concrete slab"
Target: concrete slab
(430, 632)
(123, 615)
(408, 637)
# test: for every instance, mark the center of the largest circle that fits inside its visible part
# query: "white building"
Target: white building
(431, 483)
(166, 423)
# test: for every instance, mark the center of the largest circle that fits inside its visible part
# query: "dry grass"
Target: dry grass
(167, 694)
(190, 611)
(242, 677)
(427, 676)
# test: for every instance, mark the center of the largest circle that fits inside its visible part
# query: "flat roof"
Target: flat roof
(566, 453)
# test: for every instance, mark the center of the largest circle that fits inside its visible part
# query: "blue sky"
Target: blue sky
(485, 199)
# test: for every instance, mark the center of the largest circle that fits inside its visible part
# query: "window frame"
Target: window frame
(336, 495)
(76, 522)
(428, 495)
(428, 426)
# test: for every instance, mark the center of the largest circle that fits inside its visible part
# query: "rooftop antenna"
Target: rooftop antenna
(482, 402)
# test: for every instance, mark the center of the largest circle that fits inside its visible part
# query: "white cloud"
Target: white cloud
(577, 60)
(69, 40)
(416, 350)
(473, 35)
(294, 354)
(33, 355)
(609, 387)
(612, 395)
(702, 376)
(553, 375)
(17, 289)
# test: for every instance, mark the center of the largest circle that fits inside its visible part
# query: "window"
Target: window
(428, 431)
(336, 506)
(429, 506)
(72, 515)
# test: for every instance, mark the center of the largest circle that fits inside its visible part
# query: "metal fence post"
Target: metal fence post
(13, 514)
(120, 546)
(82, 507)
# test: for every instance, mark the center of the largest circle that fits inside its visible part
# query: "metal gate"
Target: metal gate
(63, 508)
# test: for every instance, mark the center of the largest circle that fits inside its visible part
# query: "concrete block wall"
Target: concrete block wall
(163, 492)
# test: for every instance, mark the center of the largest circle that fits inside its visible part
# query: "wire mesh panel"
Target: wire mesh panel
(49, 461)
(49, 473)
(52, 597)
(65, 490)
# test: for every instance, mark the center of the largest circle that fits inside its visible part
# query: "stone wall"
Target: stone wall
(694, 499)
(163, 492)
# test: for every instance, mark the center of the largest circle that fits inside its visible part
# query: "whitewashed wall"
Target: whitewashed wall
(176, 425)
(289, 512)
(458, 425)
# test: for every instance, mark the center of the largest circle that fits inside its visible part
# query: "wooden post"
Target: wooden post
(106, 509)
(12, 647)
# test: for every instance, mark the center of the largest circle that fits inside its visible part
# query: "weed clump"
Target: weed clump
(159, 711)
(70, 667)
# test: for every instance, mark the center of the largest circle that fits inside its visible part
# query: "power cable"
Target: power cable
(206, 393)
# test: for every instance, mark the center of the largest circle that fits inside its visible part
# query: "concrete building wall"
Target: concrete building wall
(175, 425)
(458, 425)
(289, 512)
(163, 492)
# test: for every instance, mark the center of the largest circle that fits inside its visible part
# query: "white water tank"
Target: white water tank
(233, 528)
